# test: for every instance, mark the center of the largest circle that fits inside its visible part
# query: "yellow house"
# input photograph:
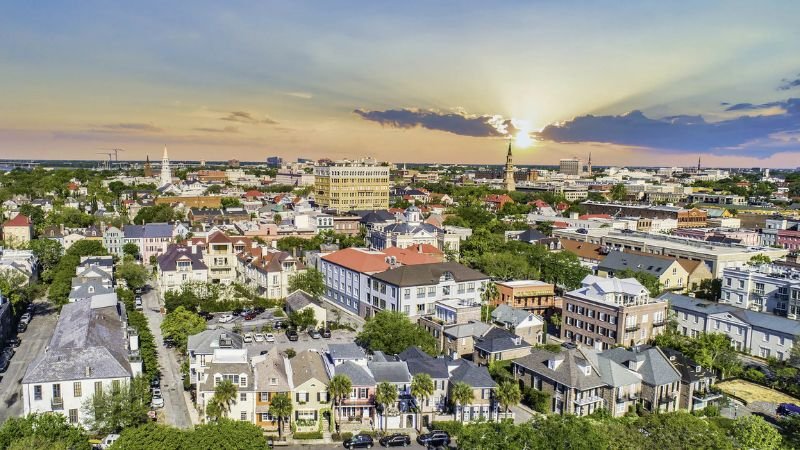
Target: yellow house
(310, 391)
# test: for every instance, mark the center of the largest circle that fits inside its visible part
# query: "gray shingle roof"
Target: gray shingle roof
(467, 372)
(467, 329)
(616, 261)
(391, 371)
(358, 375)
(500, 340)
(509, 315)
(567, 372)
(149, 230)
(84, 337)
(655, 367)
(298, 300)
(205, 342)
(346, 351)
(428, 274)
(308, 365)
(90, 288)
(168, 260)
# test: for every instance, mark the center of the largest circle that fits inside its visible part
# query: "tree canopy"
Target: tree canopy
(310, 281)
(392, 332)
(44, 430)
(179, 324)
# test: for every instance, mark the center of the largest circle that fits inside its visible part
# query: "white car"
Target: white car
(226, 318)
(259, 337)
(158, 400)
(270, 337)
(108, 441)
(248, 338)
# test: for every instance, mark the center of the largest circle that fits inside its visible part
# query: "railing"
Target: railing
(659, 323)
(588, 400)
(57, 403)
(633, 327)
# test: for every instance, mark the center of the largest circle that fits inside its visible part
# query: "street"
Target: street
(175, 409)
(338, 445)
(34, 339)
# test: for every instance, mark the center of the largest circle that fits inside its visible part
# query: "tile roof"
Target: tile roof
(416, 254)
(428, 274)
(20, 220)
(359, 260)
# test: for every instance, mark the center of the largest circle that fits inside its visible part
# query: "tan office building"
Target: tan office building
(352, 185)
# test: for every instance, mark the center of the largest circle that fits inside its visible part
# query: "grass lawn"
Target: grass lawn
(751, 392)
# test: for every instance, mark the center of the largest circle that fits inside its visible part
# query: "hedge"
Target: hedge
(308, 435)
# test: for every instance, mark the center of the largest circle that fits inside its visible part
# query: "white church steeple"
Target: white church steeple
(166, 173)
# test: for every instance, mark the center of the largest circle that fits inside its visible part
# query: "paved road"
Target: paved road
(33, 342)
(175, 410)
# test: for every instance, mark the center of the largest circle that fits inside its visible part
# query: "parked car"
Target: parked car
(788, 409)
(21, 327)
(206, 315)
(359, 441)
(108, 441)
(292, 334)
(26, 318)
(14, 342)
(269, 337)
(248, 338)
(259, 337)
(314, 333)
(138, 304)
(246, 311)
(7, 353)
(434, 438)
(250, 315)
(326, 333)
(169, 342)
(277, 325)
(395, 440)
(226, 318)
(4, 362)
(155, 382)
(158, 399)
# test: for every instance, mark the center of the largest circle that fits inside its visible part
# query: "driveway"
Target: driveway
(34, 340)
(175, 409)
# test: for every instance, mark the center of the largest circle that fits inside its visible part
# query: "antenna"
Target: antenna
(116, 152)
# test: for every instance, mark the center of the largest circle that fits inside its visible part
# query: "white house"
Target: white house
(231, 365)
(179, 265)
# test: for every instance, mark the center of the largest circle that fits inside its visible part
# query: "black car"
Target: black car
(395, 440)
(206, 315)
(326, 333)
(292, 334)
(277, 325)
(259, 309)
(21, 327)
(359, 441)
(155, 382)
(14, 342)
(169, 343)
(434, 438)
(237, 311)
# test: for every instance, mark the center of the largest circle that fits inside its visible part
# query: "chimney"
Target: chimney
(88, 371)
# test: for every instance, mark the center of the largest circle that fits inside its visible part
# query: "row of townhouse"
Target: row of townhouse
(217, 355)
(765, 288)
(367, 281)
(580, 380)
(152, 239)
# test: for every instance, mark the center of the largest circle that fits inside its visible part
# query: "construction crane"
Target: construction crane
(116, 152)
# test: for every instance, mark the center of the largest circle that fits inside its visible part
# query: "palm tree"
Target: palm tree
(460, 395)
(385, 395)
(339, 388)
(508, 394)
(224, 396)
(280, 407)
(421, 388)
(489, 293)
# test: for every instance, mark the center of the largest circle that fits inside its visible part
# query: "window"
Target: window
(407, 310)
(115, 385)
(765, 337)
(406, 294)
(432, 291)
(73, 416)
(98, 387)
(420, 292)
(243, 415)
(242, 396)
(420, 308)
(264, 397)
(77, 389)
(37, 392)
(243, 381)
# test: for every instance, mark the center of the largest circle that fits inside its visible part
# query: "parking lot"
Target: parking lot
(34, 339)
(265, 318)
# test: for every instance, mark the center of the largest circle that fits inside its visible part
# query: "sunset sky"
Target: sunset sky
(637, 83)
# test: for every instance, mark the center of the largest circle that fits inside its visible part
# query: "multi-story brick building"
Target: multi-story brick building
(350, 185)
(532, 295)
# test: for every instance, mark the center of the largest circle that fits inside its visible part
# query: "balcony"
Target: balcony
(705, 396)
(632, 327)
(631, 396)
(57, 403)
(588, 400)
(668, 398)
(659, 323)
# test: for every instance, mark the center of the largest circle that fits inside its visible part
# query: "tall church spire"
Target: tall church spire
(166, 173)
(508, 178)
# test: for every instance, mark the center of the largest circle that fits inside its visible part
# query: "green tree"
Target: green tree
(122, 406)
(224, 397)
(537, 400)
(385, 395)
(681, 430)
(230, 202)
(710, 289)
(392, 332)
(648, 280)
(508, 394)
(179, 324)
(48, 252)
(754, 432)
(310, 281)
(461, 395)
(618, 192)
(134, 274)
(35, 213)
(155, 214)
(215, 189)
(422, 389)
(131, 249)
(303, 319)
(545, 227)
(281, 407)
(339, 389)
(759, 259)
(46, 430)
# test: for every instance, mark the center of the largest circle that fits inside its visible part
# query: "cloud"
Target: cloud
(133, 127)
(681, 133)
(458, 123)
(218, 130)
(787, 84)
(246, 117)
(303, 95)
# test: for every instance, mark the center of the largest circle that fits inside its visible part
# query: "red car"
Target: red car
(251, 315)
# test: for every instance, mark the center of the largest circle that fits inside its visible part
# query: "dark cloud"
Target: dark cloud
(218, 130)
(246, 117)
(456, 123)
(787, 84)
(144, 127)
(680, 133)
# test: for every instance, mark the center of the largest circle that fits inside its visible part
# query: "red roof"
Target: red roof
(359, 260)
(72, 186)
(253, 193)
(562, 206)
(416, 254)
(498, 198)
(20, 220)
(539, 203)
(594, 216)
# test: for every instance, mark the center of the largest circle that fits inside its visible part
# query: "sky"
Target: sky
(633, 83)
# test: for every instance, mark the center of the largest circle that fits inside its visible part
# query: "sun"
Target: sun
(523, 137)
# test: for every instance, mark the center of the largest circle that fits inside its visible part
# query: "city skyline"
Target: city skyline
(645, 84)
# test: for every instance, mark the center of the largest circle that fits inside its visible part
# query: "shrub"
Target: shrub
(290, 353)
(537, 400)
(341, 436)
(451, 426)
(307, 436)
